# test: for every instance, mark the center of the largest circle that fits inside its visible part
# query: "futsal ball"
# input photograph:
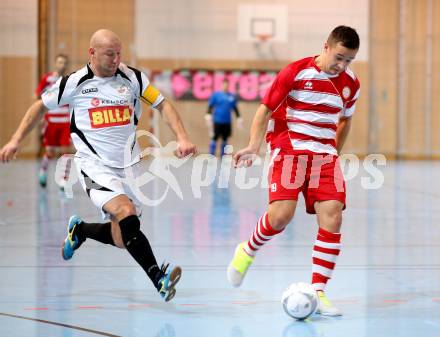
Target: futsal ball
(299, 300)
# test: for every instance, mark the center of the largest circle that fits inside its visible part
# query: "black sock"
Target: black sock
(101, 232)
(139, 248)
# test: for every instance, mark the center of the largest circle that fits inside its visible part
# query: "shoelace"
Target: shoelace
(162, 272)
(72, 240)
(163, 268)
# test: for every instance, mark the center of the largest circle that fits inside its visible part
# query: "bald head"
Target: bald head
(105, 52)
(104, 37)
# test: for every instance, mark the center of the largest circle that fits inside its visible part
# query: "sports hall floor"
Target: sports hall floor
(387, 280)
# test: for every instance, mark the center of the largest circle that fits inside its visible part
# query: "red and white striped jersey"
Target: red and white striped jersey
(306, 104)
(59, 114)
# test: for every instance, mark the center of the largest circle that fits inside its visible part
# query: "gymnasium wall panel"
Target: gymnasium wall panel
(383, 76)
(18, 50)
(435, 90)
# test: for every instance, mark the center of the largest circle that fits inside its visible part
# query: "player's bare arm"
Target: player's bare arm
(342, 131)
(31, 118)
(172, 118)
(245, 156)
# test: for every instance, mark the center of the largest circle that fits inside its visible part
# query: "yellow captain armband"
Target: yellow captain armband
(150, 95)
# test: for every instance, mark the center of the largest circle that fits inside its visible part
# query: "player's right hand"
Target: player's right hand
(9, 151)
(208, 120)
(185, 148)
(245, 157)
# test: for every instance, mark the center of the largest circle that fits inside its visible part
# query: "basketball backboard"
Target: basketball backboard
(262, 21)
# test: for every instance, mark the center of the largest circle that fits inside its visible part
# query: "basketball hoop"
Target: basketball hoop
(264, 37)
(263, 46)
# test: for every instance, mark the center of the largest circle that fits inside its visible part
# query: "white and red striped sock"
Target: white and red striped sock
(67, 170)
(325, 252)
(44, 163)
(263, 232)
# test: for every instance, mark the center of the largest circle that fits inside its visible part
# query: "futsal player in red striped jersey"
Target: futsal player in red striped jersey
(306, 116)
(56, 124)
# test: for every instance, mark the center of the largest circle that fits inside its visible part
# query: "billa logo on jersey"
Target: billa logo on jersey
(106, 116)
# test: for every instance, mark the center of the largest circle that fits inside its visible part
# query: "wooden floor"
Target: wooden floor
(387, 280)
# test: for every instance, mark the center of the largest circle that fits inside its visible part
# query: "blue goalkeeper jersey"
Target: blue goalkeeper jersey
(223, 103)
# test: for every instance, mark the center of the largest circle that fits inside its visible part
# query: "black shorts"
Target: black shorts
(222, 131)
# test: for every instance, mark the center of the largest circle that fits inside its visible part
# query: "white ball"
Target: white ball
(299, 300)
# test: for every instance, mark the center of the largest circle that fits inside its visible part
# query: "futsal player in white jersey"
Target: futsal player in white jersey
(104, 102)
(306, 116)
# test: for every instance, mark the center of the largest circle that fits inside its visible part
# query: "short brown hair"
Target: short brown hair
(347, 36)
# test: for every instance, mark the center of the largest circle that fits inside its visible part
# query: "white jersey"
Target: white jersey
(104, 112)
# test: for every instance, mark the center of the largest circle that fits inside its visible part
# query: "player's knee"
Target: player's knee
(124, 210)
(335, 219)
(130, 228)
(331, 221)
(279, 220)
(50, 154)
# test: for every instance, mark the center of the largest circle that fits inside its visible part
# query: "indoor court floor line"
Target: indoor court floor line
(387, 280)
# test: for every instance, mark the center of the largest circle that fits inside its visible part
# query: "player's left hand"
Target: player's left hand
(185, 148)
